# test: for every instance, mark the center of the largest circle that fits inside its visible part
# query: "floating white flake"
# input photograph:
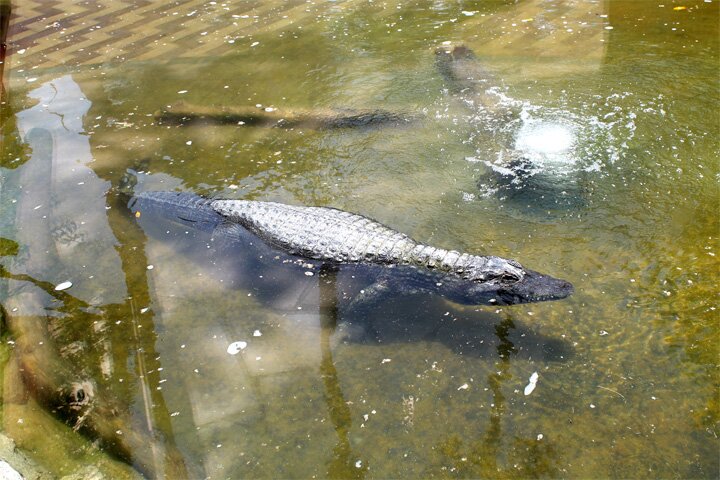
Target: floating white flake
(464, 386)
(63, 286)
(235, 347)
(532, 383)
(257, 333)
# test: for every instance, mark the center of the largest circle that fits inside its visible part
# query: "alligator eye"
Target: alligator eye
(509, 277)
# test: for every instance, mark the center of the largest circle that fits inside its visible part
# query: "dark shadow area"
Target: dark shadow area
(470, 333)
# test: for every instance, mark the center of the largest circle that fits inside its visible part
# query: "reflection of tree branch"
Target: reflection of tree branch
(530, 458)
(132, 255)
(341, 465)
(67, 390)
(69, 303)
(5, 12)
(491, 443)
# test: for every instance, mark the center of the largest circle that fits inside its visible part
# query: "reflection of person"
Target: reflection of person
(60, 219)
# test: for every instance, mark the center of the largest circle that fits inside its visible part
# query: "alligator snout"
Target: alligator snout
(535, 287)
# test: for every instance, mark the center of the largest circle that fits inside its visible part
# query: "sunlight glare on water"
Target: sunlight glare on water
(553, 142)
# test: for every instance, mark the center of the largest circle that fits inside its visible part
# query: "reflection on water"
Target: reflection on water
(61, 217)
(579, 138)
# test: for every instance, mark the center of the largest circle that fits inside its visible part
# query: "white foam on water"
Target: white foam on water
(549, 143)
(523, 143)
(545, 138)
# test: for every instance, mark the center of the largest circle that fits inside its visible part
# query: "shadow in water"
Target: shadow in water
(468, 332)
(486, 456)
(343, 463)
(56, 367)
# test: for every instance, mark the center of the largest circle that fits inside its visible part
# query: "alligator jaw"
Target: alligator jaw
(534, 287)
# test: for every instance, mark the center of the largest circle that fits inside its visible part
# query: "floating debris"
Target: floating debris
(235, 347)
(464, 386)
(532, 383)
(63, 286)
(257, 333)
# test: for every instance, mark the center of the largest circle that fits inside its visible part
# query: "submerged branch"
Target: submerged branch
(184, 113)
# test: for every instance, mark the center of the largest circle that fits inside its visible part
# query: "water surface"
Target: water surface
(615, 103)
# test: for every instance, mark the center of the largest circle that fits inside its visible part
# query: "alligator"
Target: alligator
(544, 177)
(398, 264)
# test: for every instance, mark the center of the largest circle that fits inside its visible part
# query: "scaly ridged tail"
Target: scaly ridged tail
(186, 208)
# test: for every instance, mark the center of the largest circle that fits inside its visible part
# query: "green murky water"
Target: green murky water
(627, 367)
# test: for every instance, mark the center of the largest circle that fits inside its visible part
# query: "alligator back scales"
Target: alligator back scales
(334, 235)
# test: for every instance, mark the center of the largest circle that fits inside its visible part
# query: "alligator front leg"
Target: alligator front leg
(370, 297)
(386, 286)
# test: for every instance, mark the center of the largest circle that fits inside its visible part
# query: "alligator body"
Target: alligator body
(396, 263)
